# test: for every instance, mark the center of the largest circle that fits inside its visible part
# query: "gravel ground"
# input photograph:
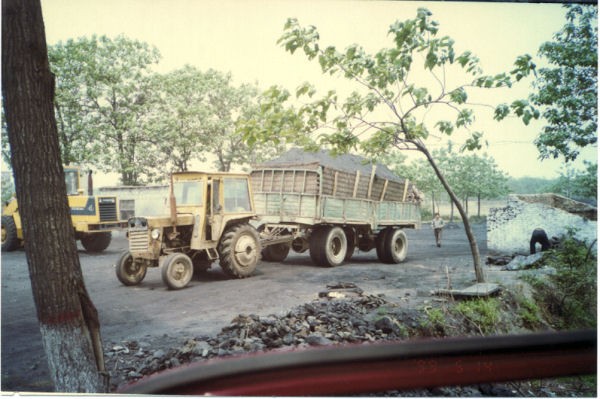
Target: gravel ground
(147, 327)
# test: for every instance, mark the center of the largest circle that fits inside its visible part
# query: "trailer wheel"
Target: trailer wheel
(351, 240)
(316, 237)
(201, 263)
(239, 250)
(177, 270)
(129, 272)
(96, 242)
(10, 241)
(380, 245)
(395, 246)
(333, 247)
(276, 253)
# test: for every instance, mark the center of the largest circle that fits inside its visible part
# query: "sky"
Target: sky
(240, 37)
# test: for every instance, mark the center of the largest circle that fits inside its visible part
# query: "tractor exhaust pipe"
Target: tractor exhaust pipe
(173, 206)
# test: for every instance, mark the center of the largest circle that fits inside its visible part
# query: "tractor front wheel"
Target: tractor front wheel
(177, 270)
(128, 271)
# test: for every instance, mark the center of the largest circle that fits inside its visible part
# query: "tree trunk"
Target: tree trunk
(478, 205)
(472, 242)
(432, 204)
(467, 205)
(451, 210)
(68, 320)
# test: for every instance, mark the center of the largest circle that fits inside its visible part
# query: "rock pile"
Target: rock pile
(324, 321)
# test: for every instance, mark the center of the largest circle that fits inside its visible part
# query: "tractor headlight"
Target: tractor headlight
(155, 234)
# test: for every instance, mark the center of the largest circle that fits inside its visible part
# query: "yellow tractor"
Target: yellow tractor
(209, 220)
(93, 217)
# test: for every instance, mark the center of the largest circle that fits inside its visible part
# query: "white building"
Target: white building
(509, 229)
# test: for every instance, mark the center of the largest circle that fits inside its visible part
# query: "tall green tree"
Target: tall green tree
(383, 82)
(578, 184)
(179, 117)
(566, 93)
(194, 114)
(102, 99)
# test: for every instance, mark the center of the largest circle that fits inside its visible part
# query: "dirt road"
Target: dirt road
(209, 303)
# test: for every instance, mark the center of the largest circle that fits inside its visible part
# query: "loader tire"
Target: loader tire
(128, 272)
(10, 240)
(239, 250)
(96, 242)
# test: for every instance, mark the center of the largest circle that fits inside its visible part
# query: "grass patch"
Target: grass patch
(482, 314)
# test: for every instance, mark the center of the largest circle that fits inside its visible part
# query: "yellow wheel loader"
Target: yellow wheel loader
(93, 217)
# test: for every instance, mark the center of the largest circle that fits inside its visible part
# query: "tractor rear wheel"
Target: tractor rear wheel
(177, 270)
(10, 240)
(239, 250)
(130, 272)
(96, 242)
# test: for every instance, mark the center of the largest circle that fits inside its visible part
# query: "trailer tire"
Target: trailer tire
(10, 240)
(201, 263)
(316, 237)
(128, 272)
(96, 242)
(395, 246)
(351, 242)
(177, 270)
(239, 250)
(276, 253)
(333, 247)
(380, 245)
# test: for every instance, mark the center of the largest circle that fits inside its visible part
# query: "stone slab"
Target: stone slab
(476, 290)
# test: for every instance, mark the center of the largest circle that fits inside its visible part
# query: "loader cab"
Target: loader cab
(72, 180)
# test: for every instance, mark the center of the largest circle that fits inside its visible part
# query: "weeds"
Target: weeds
(568, 296)
(530, 313)
(482, 313)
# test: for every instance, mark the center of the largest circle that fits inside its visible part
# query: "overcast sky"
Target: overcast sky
(240, 37)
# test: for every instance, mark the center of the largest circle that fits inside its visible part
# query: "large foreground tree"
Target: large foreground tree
(68, 320)
(392, 103)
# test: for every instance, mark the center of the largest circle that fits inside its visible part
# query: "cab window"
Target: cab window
(71, 179)
(188, 192)
(236, 196)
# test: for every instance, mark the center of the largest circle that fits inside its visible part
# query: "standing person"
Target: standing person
(539, 235)
(436, 224)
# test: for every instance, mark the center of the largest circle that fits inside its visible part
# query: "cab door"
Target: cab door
(217, 213)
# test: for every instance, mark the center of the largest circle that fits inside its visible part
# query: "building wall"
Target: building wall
(140, 201)
(509, 228)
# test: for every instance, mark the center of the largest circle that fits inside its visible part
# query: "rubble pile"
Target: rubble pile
(342, 314)
(321, 322)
